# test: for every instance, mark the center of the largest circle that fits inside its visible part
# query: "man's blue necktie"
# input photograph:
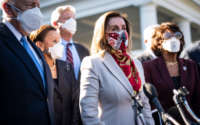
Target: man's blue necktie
(28, 49)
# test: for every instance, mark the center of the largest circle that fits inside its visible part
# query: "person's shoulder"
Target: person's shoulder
(3, 30)
(81, 48)
(187, 61)
(91, 61)
(144, 53)
(2, 26)
(193, 47)
(95, 57)
(145, 56)
(151, 62)
(151, 65)
(3, 34)
(80, 45)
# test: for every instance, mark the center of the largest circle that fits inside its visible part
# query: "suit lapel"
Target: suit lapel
(183, 72)
(78, 51)
(46, 73)
(14, 45)
(65, 73)
(117, 72)
(165, 73)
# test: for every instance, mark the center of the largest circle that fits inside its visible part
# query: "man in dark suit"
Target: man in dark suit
(63, 19)
(65, 96)
(26, 90)
(148, 53)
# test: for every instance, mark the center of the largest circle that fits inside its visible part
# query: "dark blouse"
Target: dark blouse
(156, 73)
(176, 80)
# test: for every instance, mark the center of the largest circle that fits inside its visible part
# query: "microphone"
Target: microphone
(180, 99)
(174, 112)
(151, 92)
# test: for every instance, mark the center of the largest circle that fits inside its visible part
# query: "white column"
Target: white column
(148, 16)
(185, 27)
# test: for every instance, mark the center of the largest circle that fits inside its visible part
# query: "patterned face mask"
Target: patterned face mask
(115, 39)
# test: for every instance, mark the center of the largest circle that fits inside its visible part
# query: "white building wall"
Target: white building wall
(185, 27)
(148, 16)
(187, 10)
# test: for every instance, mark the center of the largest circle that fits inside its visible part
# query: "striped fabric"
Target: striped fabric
(69, 54)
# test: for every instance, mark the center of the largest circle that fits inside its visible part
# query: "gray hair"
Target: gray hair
(56, 13)
(149, 31)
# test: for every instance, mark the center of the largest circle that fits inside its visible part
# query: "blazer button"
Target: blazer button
(67, 67)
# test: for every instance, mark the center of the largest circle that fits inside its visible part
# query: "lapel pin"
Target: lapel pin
(67, 67)
(184, 68)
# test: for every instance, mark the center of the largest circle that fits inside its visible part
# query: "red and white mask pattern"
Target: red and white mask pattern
(115, 39)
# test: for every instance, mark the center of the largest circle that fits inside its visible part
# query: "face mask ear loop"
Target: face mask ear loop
(15, 8)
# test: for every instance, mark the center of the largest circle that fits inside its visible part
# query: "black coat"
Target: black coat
(193, 52)
(67, 89)
(64, 94)
(24, 100)
(145, 56)
(82, 52)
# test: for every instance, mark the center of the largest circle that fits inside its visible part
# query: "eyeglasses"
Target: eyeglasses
(168, 35)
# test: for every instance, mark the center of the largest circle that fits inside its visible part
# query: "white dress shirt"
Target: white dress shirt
(76, 59)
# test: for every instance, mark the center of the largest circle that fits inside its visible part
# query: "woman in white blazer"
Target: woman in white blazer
(110, 78)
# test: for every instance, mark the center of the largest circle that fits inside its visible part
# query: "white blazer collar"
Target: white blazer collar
(113, 67)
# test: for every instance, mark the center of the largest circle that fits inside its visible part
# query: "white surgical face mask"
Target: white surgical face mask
(56, 51)
(171, 45)
(70, 25)
(30, 19)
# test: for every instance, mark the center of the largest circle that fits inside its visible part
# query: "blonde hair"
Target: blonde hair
(149, 31)
(99, 42)
(56, 13)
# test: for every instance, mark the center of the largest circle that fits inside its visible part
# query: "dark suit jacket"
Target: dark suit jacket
(65, 95)
(156, 73)
(145, 56)
(24, 100)
(193, 52)
(82, 52)
(67, 91)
